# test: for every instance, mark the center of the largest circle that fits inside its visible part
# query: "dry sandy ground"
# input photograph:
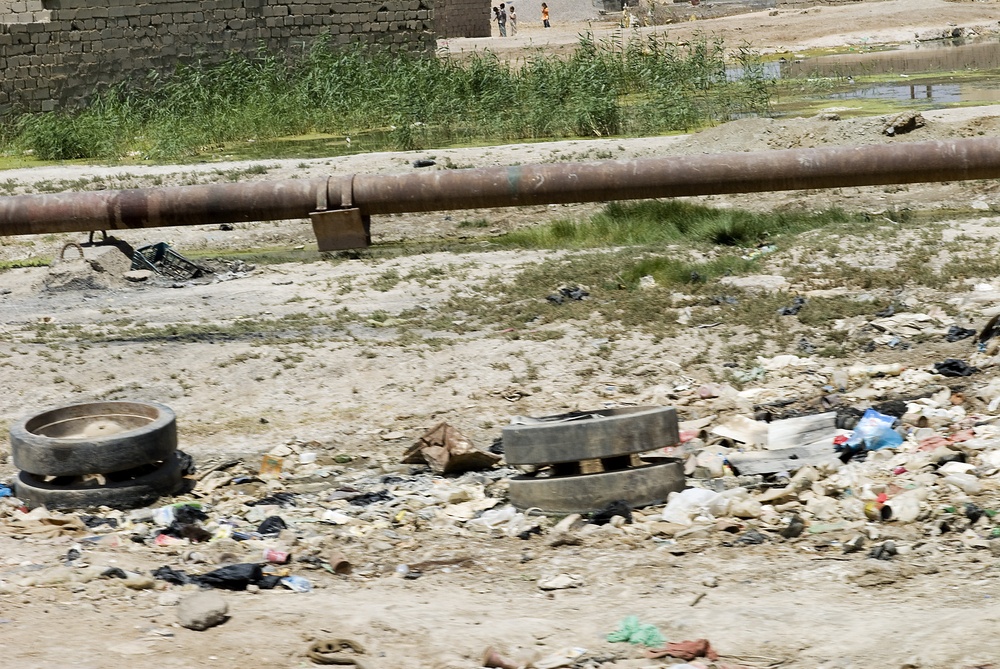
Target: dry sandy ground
(782, 605)
(890, 21)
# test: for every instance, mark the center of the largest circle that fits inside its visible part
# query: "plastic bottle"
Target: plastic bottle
(864, 371)
(904, 508)
(968, 483)
(163, 516)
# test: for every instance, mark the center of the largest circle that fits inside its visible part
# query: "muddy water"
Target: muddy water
(942, 56)
(975, 60)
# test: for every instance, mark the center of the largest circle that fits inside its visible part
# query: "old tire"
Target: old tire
(586, 493)
(94, 438)
(607, 434)
(133, 493)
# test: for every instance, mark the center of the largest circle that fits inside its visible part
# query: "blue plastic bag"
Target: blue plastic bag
(874, 431)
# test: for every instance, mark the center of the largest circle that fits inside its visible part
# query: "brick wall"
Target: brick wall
(82, 46)
(461, 18)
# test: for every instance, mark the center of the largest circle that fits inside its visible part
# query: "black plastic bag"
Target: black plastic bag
(954, 367)
(272, 526)
(619, 507)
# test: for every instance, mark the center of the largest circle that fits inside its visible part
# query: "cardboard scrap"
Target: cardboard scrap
(742, 429)
(44, 524)
(781, 460)
(802, 431)
(447, 450)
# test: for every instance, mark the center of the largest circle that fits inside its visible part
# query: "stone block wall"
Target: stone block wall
(84, 46)
(22, 11)
(461, 18)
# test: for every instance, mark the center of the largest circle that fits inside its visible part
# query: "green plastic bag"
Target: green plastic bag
(631, 630)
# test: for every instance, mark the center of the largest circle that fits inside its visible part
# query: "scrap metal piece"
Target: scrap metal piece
(341, 229)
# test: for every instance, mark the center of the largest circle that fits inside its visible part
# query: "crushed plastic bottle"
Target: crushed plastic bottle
(297, 583)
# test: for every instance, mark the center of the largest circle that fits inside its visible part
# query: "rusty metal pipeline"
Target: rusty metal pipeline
(521, 185)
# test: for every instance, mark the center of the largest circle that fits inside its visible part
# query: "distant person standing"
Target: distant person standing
(513, 22)
(545, 15)
(502, 20)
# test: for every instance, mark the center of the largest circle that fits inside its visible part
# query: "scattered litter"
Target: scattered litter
(568, 293)
(954, 367)
(632, 631)
(794, 308)
(873, 432)
(802, 430)
(231, 577)
(684, 650)
(956, 333)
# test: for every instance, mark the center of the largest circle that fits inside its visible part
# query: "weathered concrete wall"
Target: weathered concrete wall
(82, 46)
(461, 18)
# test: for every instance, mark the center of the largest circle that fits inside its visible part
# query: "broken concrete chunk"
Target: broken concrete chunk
(138, 275)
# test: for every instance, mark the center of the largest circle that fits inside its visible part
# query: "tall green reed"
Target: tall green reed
(620, 86)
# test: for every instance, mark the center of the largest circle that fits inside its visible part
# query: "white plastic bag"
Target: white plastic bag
(685, 506)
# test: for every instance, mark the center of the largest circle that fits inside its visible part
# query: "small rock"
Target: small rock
(903, 123)
(752, 538)
(885, 551)
(138, 275)
(392, 436)
(995, 547)
(557, 539)
(202, 610)
(854, 545)
(795, 527)
(561, 582)
(169, 599)
(570, 522)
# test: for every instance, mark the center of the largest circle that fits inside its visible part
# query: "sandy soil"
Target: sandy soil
(358, 392)
(886, 22)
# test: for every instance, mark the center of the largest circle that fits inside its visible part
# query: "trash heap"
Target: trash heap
(870, 451)
(878, 461)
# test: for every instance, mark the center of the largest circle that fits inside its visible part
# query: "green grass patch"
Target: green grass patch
(27, 262)
(820, 311)
(660, 221)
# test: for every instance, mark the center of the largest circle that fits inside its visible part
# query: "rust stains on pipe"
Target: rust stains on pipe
(505, 186)
(680, 176)
(161, 207)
